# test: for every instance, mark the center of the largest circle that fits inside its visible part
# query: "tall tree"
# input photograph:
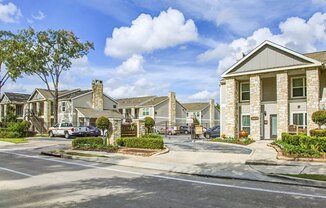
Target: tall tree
(9, 49)
(48, 54)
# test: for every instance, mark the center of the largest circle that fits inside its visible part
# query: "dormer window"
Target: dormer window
(244, 91)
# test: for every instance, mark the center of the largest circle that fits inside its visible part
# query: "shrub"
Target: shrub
(149, 123)
(7, 133)
(318, 132)
(306, 142)
(103, 123)
(319, 117)
(146, 143)
(298, 151)
(152, 136)
(87, 142)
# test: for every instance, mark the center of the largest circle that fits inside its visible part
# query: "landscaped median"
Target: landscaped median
(144, 146)
(240, 141)
(301, 147)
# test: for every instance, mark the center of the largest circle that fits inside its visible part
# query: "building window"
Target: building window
(197, 114)
(114, 106)
(300, 120)
(244, 91)
(245, 123)
(145, 111)
(19, 110)
(63, 106)
(299, 88)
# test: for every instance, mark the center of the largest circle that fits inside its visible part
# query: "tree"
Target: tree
(11, 116)
(149, 123)
(9, 48)
(103, 123)
(319, 117)
(218, 106)
(47, 54)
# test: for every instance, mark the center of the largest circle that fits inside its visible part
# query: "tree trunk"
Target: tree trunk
(55, 105)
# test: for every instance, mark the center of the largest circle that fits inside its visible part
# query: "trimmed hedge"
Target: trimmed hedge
(7, 133)
(87, 142)
(152, 136)
(318, 132)
(295, 150)
(305, 142)
(146, 143)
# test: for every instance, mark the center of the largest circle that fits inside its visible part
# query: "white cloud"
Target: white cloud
(204, 95)
(296, 33)
(9, 13)
(134, 65)
(39, 16)
(147, 34)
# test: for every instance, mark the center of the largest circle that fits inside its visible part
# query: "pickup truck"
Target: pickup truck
(67, 130)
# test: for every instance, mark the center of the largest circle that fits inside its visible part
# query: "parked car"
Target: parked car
(212, 132)
(67, 130)
(169, 130)
(92, 131)
(184, 130)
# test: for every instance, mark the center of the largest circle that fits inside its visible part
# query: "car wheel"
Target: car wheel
(51, 134)
(208, 136)
(67, 136)
(186, 132)
(169, 133)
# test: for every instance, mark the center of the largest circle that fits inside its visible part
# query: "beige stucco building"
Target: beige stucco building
(270, 89)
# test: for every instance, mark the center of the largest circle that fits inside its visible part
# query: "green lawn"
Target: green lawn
(309, 176)
(14, 140)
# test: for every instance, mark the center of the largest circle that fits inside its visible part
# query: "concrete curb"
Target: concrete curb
(173, 169)
(167, 150)
(313, 183)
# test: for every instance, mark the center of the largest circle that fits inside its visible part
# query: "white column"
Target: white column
(46, 114)
(38, 108)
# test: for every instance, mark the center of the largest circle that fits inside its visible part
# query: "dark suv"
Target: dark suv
(184, 129)
(212, 132)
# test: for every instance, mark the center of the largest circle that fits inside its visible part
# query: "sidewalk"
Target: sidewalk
(260, 165)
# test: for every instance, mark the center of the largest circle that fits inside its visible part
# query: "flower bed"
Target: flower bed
(145, 142)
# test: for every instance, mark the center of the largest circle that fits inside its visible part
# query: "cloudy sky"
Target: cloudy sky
(151, 47)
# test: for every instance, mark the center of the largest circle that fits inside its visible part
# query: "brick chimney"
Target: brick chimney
(172, 108)
(97, 88)
(212, 113)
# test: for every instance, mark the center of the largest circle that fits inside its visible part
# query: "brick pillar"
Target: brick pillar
(231, 121)
(97, 99)
(172, 109)
(140, 128)
(116, 131)
(282, 103)
(255, 107)
(1, 113)
(313, 88)
(212, 113)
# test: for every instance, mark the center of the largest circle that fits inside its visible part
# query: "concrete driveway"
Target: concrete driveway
(184, 143)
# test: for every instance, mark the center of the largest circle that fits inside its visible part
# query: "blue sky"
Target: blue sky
(151, 47)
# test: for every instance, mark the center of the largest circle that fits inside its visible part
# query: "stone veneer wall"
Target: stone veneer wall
(231, 114)
(172, 108)
(255, 107)
(97, 88)
(313, 88)
(282, 103)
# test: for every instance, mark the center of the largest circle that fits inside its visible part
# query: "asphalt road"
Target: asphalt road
(28, 179)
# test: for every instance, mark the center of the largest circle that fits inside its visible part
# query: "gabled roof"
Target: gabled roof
(92, 113)
(195, 106)
(305, 61)
(16, 97)
(319, 56)
(133, 102)
(155, 101)
(46, 94)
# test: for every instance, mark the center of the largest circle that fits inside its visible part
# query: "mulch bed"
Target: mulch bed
(138, 151)
(282, 156)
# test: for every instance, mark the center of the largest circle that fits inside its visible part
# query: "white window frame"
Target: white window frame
(249, 122)
(242, 83)
(63, 107)
(146, 111)
(305, 124)
(304, 87)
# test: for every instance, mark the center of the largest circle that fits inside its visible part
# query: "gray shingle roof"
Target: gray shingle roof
(195, 106)
(132, 102)
(155, 101)
(17, 97)
(74, 94)
(319, 56)
(47, 94)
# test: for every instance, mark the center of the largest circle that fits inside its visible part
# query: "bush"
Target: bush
(306, 142)
(149, 124)
(103, 123)
(318, 132)
(298, 151)
(7, 133)
(146, 143)
(319, 117)
(87, 142)
(152, 136)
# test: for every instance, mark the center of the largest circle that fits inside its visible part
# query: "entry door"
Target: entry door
(273, 126)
